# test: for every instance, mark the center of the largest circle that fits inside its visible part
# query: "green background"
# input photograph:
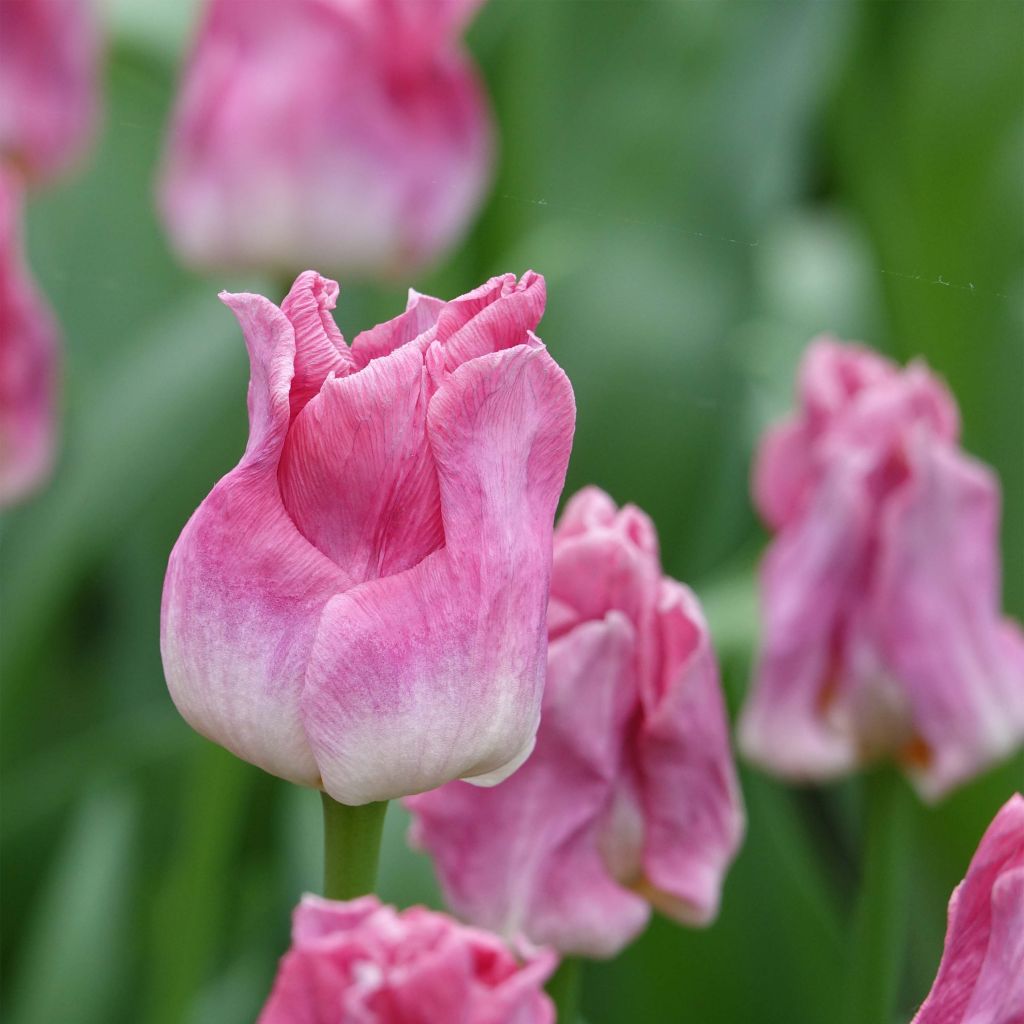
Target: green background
(706, 186)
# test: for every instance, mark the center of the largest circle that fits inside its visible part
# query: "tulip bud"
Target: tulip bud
(359, 605)
(367, 962)
(349, 134)
(49, 52)
(29, 343)
(630, 797)
(981, 976)
(882, 630)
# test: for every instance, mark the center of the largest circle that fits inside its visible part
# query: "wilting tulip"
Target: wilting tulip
(365, 963)
(28, 361)
(981, 977)
(882, 629)
(359, 604)
(49, 53)
(630, 797)
(349, 134)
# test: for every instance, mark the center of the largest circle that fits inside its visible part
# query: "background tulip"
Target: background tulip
(349, 134)
(630, 798)
(49, 52)
(882, 629)
(28, 360)
(359, 604)
(981, 977)
(364, 962)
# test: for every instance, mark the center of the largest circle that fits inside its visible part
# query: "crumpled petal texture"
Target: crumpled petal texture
(981, 976)
(360, 604)
(882, 631)
(630, 797)
(49, 69)
(362, 962)
(29, 352)
(357, 128)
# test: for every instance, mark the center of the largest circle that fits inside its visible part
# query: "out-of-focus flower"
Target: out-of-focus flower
(49, 51)
(28, 360)
(630, 797)
(981, 977)
(359, 604)
(365, 963)
(882, 629)
(349, 134)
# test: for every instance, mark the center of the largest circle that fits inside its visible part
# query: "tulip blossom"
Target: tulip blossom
(365, 963)
(349, 134)
(28, 361)
(359, 605)
(882, 633)
(981, 977)
(630, 797)
(49, 52)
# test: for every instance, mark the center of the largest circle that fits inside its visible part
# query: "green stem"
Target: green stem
(351, 847)
(880, 920)
(564, 988)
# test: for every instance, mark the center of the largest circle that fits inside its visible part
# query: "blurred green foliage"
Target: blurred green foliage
(706, 185)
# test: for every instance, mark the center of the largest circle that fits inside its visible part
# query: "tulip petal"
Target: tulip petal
(693, 809)
(436, 673)
(417, 321)
(524, 855)
(357, 474)
(936, 610)
(244, 589)
(981, 976)
(807, 580)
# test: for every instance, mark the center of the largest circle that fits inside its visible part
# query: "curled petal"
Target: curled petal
(244, 589)
(436, 673)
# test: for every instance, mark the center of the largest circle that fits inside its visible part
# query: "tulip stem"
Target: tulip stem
(564, 988)
(880, 916)
(351, 847)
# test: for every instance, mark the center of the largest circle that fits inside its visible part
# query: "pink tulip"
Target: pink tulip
(882, 629)
(630, 797)
(351, 134)
(981, 977)
(28, 361)
(49, 54)
(365, 963)
(359, 604)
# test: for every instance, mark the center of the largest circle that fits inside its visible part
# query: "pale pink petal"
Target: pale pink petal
(357, 475)
(29, 356)
(809, 577)
(436, 673)
(244, 590)
(524, 856)
(782, 472)
(693, 811)
(320, 350)
(980, 976)
(587, 509)
(936, 611)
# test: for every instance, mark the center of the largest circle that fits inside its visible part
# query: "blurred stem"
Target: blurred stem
(351, 847)
(564, 988)
(880, 918)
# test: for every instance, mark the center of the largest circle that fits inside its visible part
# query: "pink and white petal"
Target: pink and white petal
(693, 810)
(523, 857)
(809, 576)
(437, 672)
(936, 610)
(244, 589)
(320, 350)
(357, 475)
(497, 316)
(977, 915)
(417, 322)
